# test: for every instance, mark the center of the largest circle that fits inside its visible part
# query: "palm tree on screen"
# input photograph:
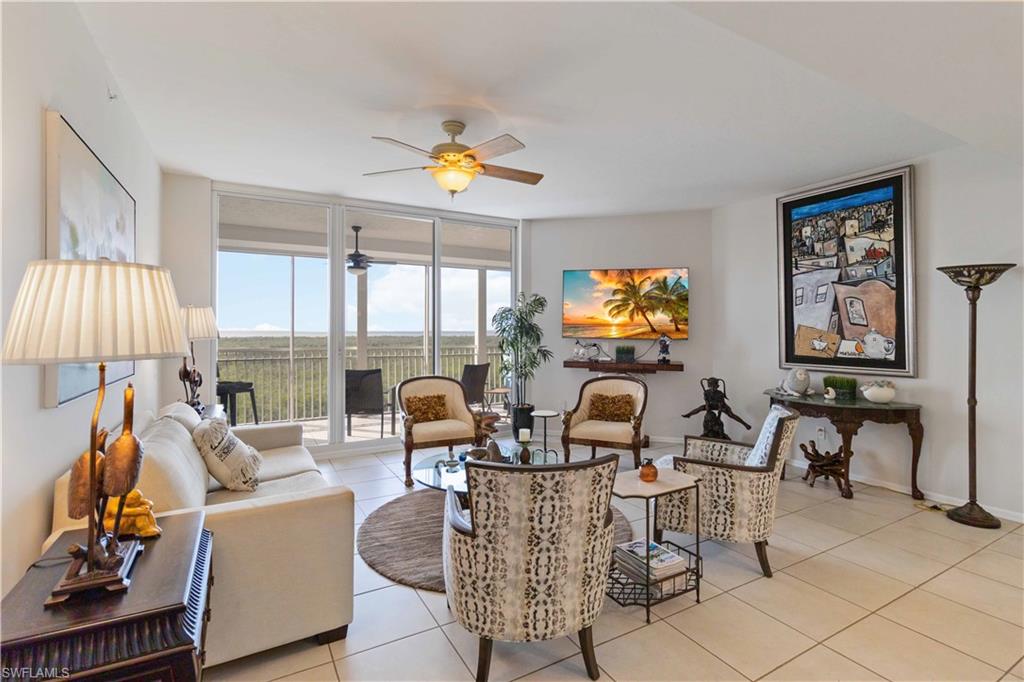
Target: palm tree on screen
(632, 299)
(673, 299)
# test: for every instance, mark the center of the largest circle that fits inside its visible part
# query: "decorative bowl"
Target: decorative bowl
(879, 391)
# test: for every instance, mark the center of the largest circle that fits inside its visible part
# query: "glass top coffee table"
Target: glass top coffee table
(436, 471)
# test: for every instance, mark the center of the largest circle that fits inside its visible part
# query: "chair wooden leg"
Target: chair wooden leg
(408, 465)
(636, 455)
(593, 451)
(587, 645)
(332, 635)
(658, 534)
(565, 449)
(762, 557)
(483, 662)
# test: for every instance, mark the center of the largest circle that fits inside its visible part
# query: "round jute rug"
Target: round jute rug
(402, 539)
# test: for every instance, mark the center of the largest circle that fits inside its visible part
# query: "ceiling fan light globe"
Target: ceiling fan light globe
(357, 270)
(453, 179)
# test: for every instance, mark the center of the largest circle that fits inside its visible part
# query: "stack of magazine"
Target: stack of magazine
(631, 559)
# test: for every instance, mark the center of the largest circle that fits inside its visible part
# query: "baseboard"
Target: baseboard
(1006, 514)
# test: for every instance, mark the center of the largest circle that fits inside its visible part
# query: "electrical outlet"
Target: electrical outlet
(819, 435)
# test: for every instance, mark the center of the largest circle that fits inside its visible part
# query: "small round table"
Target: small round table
(434, 472)
(545, 415)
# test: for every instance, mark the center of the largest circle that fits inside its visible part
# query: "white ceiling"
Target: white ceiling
(625, 107)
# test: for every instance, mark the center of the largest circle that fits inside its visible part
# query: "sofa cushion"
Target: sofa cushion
(444, 429)
(183, 414)
(613, 432)
(173, 474)
(299, 483)
(234, 464)
(284, 462)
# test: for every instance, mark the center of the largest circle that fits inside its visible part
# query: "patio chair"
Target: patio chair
(474, 380)
(529, 562)
(364, 395)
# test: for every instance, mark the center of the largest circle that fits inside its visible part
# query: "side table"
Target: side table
(154, 630)
(625, 589)
(545, 415)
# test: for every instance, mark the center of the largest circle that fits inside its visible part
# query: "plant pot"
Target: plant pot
(522, 418)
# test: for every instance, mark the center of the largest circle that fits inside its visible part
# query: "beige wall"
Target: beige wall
(968, 209)
(51, 62)
(680, 239)
(186, 249)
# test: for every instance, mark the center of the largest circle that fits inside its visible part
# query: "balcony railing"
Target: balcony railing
(279, 399)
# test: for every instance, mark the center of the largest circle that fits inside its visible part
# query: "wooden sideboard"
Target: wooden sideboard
(847, 416)
(154, 630)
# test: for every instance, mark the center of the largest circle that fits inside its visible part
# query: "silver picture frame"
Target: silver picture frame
(844, 359)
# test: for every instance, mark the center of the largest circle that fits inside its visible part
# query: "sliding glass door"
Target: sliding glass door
(273, 293)
(388, 320)
(325, 308)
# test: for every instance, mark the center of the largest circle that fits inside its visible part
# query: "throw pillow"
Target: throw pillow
(235, 465)
(758, 456)
(426, 408)
(611, 408)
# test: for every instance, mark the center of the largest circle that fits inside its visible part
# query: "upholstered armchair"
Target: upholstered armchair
(456, 425)
(528, 560)
(739, 485)
(580, 425)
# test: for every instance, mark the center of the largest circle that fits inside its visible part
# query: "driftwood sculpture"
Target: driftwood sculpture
(825, 464)
(715, 405)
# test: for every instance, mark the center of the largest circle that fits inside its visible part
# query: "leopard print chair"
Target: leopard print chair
(739, 486)
(529, 560)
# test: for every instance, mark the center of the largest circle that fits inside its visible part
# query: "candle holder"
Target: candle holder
(972, 278)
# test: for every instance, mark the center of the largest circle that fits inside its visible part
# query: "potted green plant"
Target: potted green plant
(522, 354)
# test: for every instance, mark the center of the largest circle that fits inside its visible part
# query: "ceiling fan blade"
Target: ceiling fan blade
(374, 261)
(403, 145)
(502, 144)
(514, 174)
(397, 170)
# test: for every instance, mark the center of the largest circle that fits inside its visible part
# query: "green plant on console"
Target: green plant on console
(845, 387)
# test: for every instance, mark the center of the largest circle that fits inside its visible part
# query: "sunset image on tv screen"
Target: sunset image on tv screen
(626, 304)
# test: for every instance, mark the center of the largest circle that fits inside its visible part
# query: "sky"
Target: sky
(870, 197)
(254, 293)
(585, 291)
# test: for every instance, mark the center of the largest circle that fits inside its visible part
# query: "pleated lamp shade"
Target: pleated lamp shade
(200, 322)
(93, 311)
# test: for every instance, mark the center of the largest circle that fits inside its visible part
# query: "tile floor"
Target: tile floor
(864, 589)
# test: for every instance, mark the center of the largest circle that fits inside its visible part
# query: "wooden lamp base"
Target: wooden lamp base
(973, 514)
(111, 580)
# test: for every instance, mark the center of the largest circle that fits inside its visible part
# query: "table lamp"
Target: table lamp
(96, 311)
(972, 278)
(200, 325)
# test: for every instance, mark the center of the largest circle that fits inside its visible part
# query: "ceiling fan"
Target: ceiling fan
(456, 164)
(359, 262)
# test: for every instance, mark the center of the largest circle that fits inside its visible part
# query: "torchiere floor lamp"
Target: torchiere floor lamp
(973, 278)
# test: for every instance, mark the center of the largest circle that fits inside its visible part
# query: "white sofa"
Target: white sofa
(282, 554)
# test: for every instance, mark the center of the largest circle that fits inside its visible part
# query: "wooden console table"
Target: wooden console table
(153, 631)
(635, 367)
(849, 415)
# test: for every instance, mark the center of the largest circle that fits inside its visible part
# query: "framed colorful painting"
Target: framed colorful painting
(846, 276)
(89, 215)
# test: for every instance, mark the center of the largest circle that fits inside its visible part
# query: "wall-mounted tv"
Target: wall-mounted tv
(626, 304)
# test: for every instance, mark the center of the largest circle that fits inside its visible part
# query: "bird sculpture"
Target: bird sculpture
(122, 463)
(797, 382)
(79, 499)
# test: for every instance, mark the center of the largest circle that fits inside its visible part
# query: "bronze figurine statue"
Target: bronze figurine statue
(714, 407)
